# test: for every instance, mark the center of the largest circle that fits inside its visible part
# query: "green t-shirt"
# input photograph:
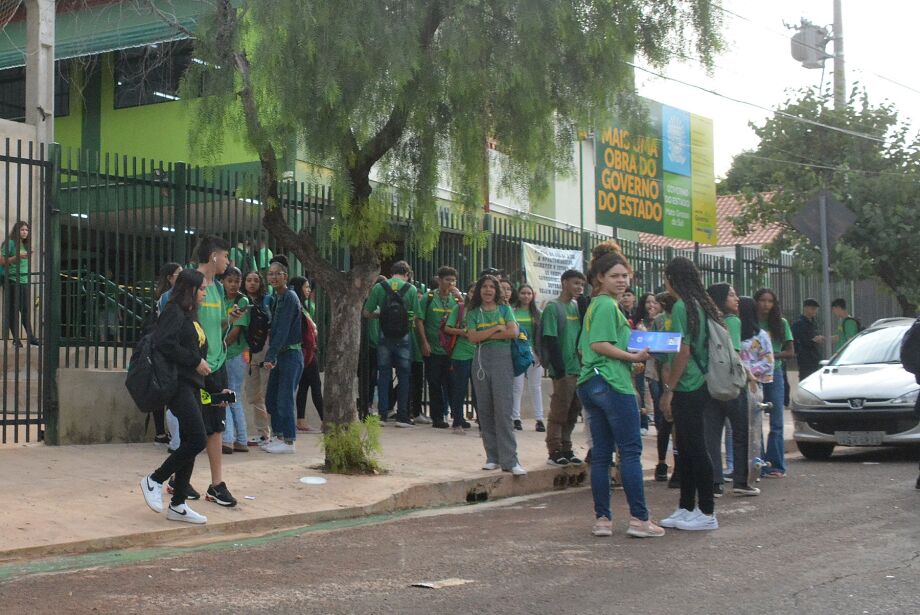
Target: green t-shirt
(567, 339)
(417, 356)
(733, 324)
(692, 378)
(377, 299)
(241, 260)
(433, 309)
(480, 320)
(464, 349)
(211, 316)
(236, 348)
(525, 322)
(605, 322)
(778, 344)
(264, 257)
(18, 271)
(847, 329)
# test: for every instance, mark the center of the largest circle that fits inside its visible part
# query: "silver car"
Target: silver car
(861, 397)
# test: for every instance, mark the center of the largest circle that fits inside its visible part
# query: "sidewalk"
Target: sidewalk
(77, 499)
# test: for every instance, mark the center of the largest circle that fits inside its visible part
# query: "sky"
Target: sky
(758, 67)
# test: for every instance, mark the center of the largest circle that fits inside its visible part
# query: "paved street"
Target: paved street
(838, 537)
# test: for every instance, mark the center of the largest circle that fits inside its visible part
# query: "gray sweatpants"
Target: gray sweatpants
(493, 381)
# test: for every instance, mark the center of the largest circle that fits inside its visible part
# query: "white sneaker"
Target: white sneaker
(264, 444)
(643, 431)
(183, 513)
(153, 493)
(518, 470)
(676, 516)
(490, 466)
(423, 420)
(698, 522)
(280, 447)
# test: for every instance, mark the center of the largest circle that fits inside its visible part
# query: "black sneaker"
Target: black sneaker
(518, 426)
(573, 460)
(717, 490)
(466, 424)
(440, 425)
(161, 438)
(190, 493)
(661, 472)
(220, 495)
(558, 459)
(541, 427)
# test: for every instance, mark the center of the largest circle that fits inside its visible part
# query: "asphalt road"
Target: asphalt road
(835, 537)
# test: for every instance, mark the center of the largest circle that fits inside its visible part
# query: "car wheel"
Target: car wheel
(815, 450)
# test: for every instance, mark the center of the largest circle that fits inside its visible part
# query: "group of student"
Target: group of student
(582, 342)
(229, 334)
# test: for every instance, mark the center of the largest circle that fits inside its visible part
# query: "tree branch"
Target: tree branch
(169, 19)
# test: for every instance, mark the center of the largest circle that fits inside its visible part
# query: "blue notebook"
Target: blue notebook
(656, 341)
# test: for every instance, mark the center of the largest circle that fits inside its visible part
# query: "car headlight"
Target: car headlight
(803, 398)
(908, 399)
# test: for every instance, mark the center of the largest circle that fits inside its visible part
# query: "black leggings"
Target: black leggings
(159, 420)
(17, 302)
(186, 406)
(310, 381)
(695, 465)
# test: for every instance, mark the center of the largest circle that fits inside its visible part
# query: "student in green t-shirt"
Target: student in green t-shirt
(847, 328)
(235, 438)
(490, 325)
(461, 360)
(564, 366)
(685, 395)
(735, 411)
(436, 306)
(372, 331)
(606, 388)
(527, 314)
(15, 258)
(770, 319)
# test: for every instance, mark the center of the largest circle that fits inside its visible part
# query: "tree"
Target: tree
(410, 87)
(871, 163)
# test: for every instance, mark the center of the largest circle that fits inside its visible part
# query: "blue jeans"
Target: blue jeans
(639, 380)
(390, 354)
(773, 392)
(614, 421)
(236, 416)
(282, 388)
(458, 385)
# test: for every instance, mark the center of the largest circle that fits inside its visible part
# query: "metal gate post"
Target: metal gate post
(51, 301)
(180, 212)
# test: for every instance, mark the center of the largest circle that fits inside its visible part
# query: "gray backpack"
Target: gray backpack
(725, 375)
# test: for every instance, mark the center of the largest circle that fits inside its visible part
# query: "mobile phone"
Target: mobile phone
(219, 398)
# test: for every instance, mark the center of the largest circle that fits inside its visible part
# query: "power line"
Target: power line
(790, 116)
(826, 166)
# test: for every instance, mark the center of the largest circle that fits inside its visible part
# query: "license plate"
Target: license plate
(859, 438)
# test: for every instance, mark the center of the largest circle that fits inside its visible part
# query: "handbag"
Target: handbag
(521, 355)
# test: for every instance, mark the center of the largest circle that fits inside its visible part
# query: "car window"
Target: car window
(872, 346)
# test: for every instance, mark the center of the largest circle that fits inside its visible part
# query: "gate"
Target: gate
(25, 187)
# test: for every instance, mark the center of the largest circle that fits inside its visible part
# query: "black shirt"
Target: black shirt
(804, 332)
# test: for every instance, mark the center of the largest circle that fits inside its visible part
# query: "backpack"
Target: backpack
(308, 339)
(910, 350)
(859, 326)
(259, 326)
(449, 341)
(152, 378)
(725, 375)
(394, 317)
(521, 355)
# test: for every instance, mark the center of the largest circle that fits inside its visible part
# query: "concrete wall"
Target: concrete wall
(95, 408)
(14, 202)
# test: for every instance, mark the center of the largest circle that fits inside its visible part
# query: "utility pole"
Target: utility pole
(840, 82)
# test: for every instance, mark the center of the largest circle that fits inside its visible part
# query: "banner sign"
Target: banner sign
(659, 180)
(544, 266)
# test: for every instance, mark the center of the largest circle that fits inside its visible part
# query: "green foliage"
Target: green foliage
(353, 447)
(413, 90)
(879, 180)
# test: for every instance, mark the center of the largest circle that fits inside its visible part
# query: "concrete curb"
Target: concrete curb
(470, 490)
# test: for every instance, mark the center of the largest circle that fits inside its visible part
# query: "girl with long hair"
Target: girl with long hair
(15, 257)
(310, 382)
(166, 280)
(606, 389)
(656, 372)
(734, 411)
(235, 438)
(770, 317)
(685, 394)
(461, 361)
(255, 381)
(757, 358)
(491, 326)
(643, 316)
(180, 339)
(527, 315)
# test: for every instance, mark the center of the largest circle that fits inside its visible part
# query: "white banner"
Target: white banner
(544, 266)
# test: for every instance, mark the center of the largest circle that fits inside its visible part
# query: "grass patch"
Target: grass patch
(353, 448)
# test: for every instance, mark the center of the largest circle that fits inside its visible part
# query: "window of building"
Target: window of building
(150, 74)
(13, 92)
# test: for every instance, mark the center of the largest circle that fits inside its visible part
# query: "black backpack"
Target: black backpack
(910, 350)
(152, 378)
(394, 317)
(859, 326)
(259, 326)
